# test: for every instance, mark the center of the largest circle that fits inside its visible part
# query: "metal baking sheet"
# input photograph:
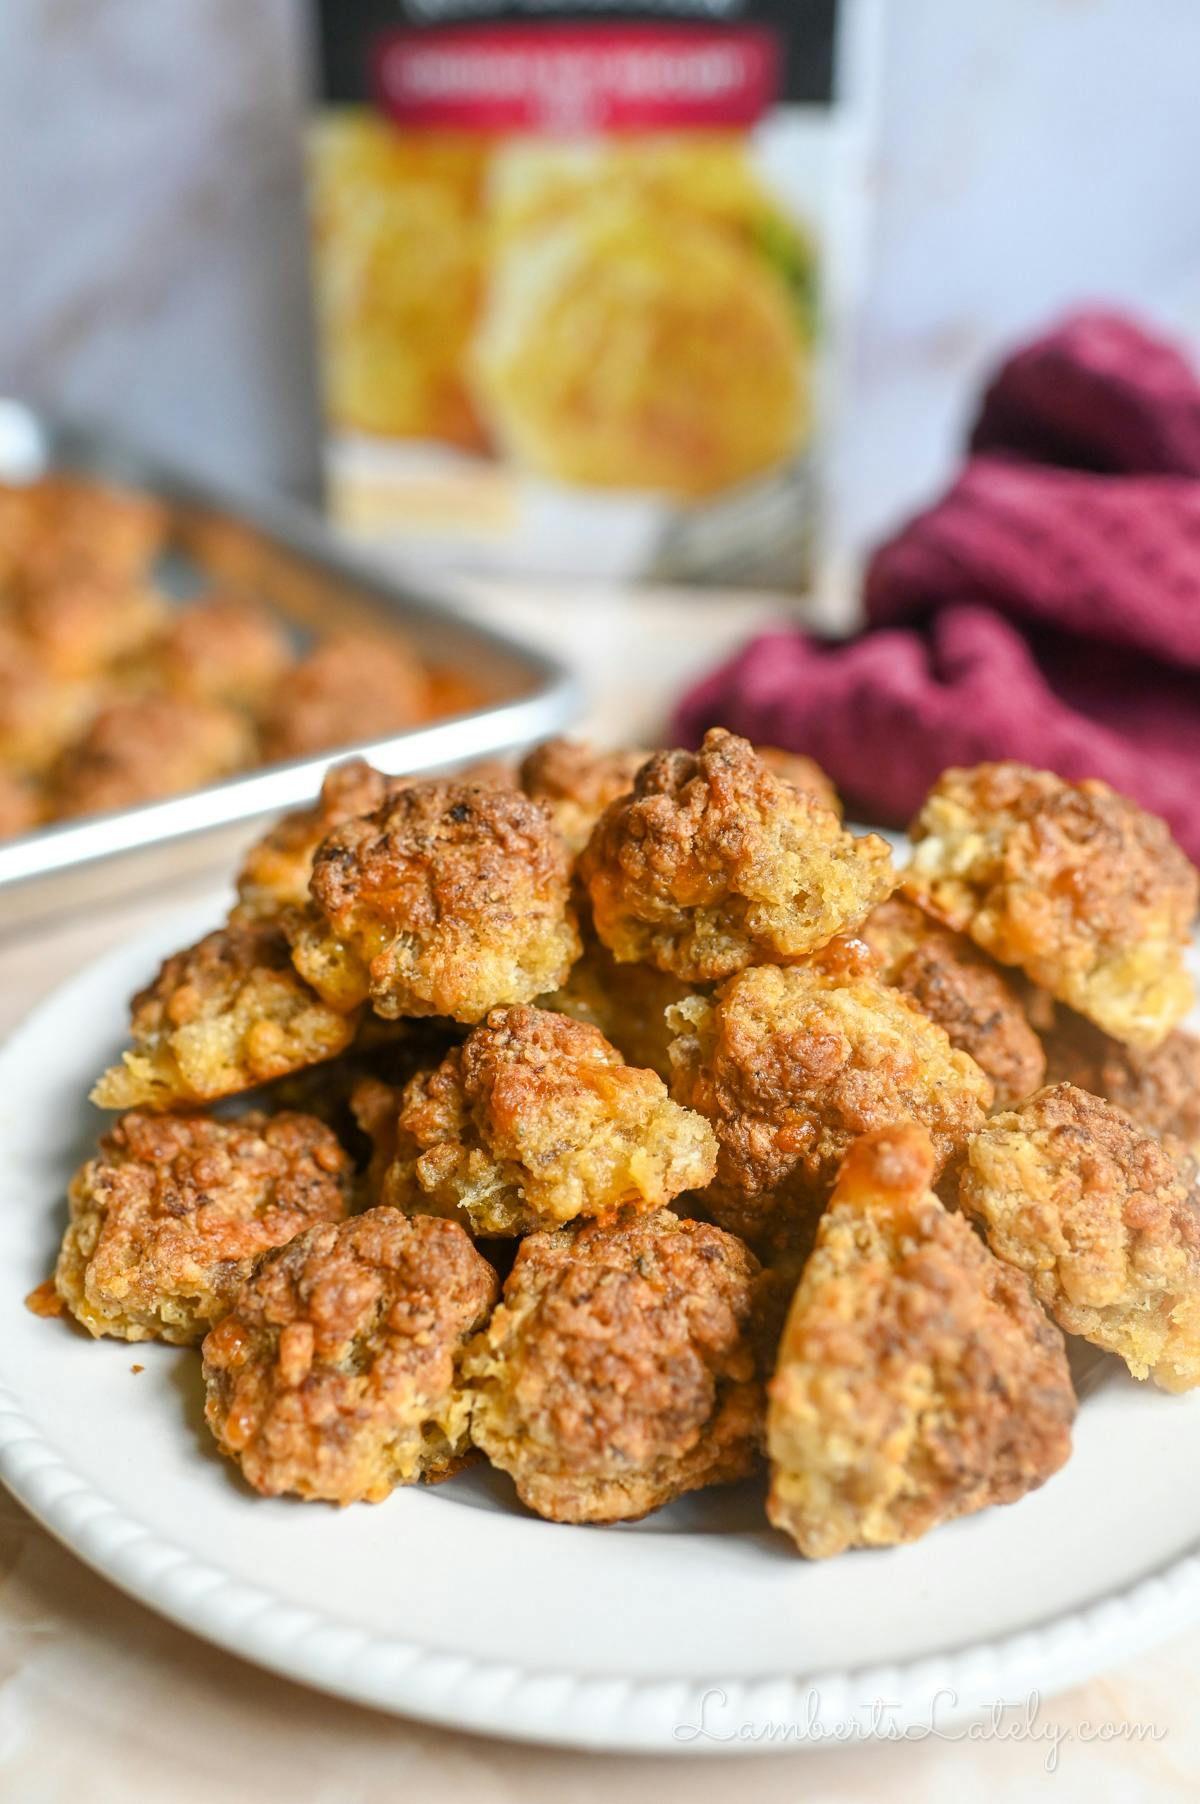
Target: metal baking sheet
(311, 579)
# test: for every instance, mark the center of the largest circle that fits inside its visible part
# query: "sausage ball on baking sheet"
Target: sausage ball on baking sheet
(39, 713)
(169, 1217)
(352, 687)
(84, 625)
(219, 649)
(962, 990)
(536, 1119)
(336, 1374)
(20, 805)
(225, 1015)
(145, 747)
(1160, 1088)
(575, 783)
(618, 1371)
(1105, 1222)
(1083, 890)
(713, 863)
(450, 899)
(791, 1064)
(628, 1003)
(65, 526)
(276, 870)
(917, 1378)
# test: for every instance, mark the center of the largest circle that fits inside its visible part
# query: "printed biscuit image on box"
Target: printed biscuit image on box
(572, 276)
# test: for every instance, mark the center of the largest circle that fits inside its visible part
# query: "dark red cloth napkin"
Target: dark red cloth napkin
(1046, 608)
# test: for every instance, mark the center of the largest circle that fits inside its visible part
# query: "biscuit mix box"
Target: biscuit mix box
(582, 274)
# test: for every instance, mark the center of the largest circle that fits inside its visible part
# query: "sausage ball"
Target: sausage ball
(169, 1217)
(39, 712)
(225, 1015)
(450, 899)
(802, 773)
(65, 526)
(1159, 1088)
(83, 625)
(145, 747)
(20, 805)
(618, 1371)
(960, 989)
(336, 1374)
(1104, 1221)
(628, 1003)
(792, 1065)
(1083, 890)
(576, 783)
(277, 869)
(917, 1379)
(221, 649)
(352, 687)
(714, 863)
(536, 1119)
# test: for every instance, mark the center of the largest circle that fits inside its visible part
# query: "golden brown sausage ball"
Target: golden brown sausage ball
(336, 1375)
(964, 992)
(802, 773)
(1104, 1221)
(714, 863)
(221, 649)
(628, 1003)
(223, 1016)
(352, 687)
(450, 899)
(277, 869)
(1160, 1088)
(536, 1119)
(917, 1378)
(618, 1371)
(792, 1065)
(575, 783)
(1083, 890)
(169, 1217)
(142, 748)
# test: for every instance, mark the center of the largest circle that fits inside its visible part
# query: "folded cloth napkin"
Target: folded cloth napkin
(1046, 608)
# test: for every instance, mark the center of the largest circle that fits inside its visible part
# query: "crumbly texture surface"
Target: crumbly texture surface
(169, 1217)
(226, 1015)
(336, 1375)
(1159, 1088)
(222, 649)
(537, 1119)
(1105, 1222)
(144, 747)
(918, 1379)
(792, 1065)
(62, 527)
(618, 1371)
(957, 986)
(1083, 890)
(802, 773)
(713, 863)
(628, 1003)
(450, 899)
(353, 687)
(276, 871)
(575, 783)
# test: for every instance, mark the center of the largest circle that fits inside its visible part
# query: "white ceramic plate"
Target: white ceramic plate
(696, 1630)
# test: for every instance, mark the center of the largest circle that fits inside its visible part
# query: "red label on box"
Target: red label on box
(578, 78)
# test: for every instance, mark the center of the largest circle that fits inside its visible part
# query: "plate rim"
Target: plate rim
(521, 1702)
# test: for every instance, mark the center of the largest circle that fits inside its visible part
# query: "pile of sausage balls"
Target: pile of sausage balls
(626, 1121)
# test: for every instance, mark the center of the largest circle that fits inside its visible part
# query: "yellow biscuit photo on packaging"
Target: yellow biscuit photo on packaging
(584, 274)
